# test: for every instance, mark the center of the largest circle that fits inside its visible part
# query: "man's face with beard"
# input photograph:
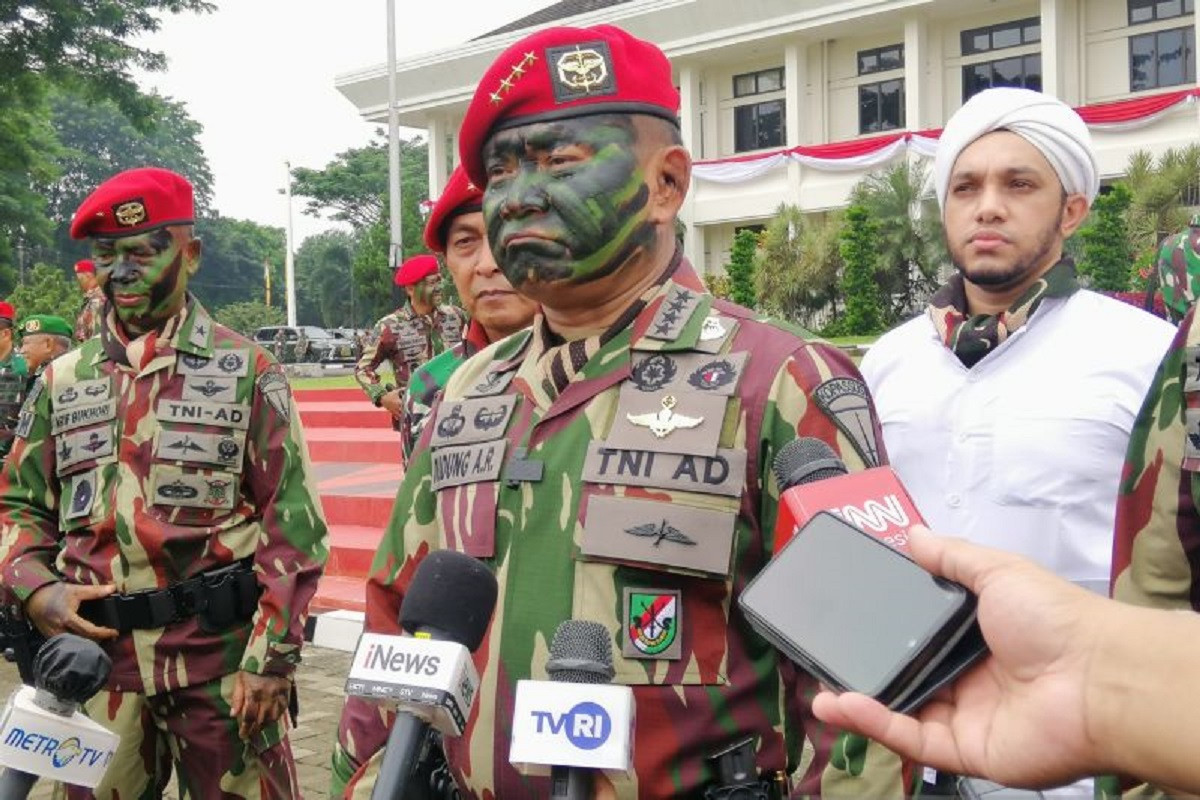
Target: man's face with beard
(145, 276)
(566, 201)
(1006, 214)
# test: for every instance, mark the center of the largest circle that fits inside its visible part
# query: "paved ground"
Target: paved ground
(320, 679)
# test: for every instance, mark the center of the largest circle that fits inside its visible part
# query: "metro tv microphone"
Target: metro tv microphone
(812, 478)
(576, 722)
(42, 732)
(428, 674)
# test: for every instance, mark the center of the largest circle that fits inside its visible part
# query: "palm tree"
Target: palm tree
(1164, 194)
(796, 275)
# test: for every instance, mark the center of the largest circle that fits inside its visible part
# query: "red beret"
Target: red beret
(6, 311)
(415, 269)
(85, 265)
(134, 201)
(562, 72)
(459, 197)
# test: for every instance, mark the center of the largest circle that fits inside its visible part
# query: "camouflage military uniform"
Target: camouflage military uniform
(13, 380)
(91, 315)
(428, 382)
(1179, 270)
(407, 340)
(628, 483)
(146, 463)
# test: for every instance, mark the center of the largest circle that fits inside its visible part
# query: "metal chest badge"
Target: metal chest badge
(664, 422)
(652, 622)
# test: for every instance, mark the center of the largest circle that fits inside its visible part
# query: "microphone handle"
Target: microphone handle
(16, 785)
(400, 757)
(570, 783)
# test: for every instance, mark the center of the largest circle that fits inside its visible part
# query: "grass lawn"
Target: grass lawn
(853, 340)
(330, 382)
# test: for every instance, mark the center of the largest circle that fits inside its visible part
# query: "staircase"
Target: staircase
(356, 456)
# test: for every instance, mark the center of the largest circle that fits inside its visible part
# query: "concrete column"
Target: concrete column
(916, 37)
(710, 121)
(1054, 33)
(436, 133)
(689, 109)
(795, 82)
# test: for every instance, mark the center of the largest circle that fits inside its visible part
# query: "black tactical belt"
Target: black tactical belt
(219, 597)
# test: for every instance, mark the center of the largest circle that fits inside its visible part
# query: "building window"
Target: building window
(1023, 71)
(1164, 58)
(1151, 10)
(998, 37)
(761, 82)
(881, 106)
(758, 125)
(881, 59)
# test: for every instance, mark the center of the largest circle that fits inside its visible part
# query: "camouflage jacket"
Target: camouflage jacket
(1156, 549)
(145, 477)
(407, 340)
(91, 315)
(427, 383)
(640, 497)
(14, 376)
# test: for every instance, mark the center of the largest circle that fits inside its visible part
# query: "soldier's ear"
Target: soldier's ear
(668, 175)
(192, 252)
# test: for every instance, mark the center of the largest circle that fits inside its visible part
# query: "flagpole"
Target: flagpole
(397, 249)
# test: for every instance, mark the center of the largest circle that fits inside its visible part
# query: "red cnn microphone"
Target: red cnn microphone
(812, 478)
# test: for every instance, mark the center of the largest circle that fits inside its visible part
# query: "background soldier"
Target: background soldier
(410, 335)
(455, 231)
(43, 339)
(278, 345)
(1179, 270)
(574, 135)
(87, 323)
(13, 372)
(143, 506)
(301, 354)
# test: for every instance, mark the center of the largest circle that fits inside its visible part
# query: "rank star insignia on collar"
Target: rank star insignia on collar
(665, 422)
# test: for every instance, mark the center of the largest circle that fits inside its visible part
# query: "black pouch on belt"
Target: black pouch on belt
(232, 598)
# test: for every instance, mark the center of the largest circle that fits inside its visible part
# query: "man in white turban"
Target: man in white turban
(1008, 405)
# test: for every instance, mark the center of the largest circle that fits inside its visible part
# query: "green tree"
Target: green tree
(908, 234)
(232, 264)
(324, 289)
(1162, 194)
(861, 291)
(248, 316)
(47, 290)
(1107, 251)
(372, 276)
(799, 259)
(740, 268)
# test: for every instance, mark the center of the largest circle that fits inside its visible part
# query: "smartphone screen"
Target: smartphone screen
(855, 610)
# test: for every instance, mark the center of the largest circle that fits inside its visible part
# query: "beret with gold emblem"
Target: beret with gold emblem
(45, 323)
(84, 266)
(564, 72)
(416, 269)
(460, 196)
(135, 201)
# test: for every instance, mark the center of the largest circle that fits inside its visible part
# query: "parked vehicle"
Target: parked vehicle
(320, 345)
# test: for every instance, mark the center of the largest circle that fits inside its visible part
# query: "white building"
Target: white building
(795, 100)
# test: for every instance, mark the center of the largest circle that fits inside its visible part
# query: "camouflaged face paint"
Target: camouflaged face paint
(144, 277)
(565, 200)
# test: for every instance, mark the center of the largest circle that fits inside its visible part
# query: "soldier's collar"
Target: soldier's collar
(195, 335)
(674, 317)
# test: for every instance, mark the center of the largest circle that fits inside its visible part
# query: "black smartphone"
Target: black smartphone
(862, 616)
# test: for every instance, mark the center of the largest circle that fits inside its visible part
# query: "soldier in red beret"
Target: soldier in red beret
(410, 335)
(611, 463)
(87, 322)
(158, 500)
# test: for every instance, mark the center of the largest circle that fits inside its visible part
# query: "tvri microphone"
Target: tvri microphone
(42, 732)
(429, 674)
(812, 478)
(576, 722)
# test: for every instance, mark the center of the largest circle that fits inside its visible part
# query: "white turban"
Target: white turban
(1046, 122)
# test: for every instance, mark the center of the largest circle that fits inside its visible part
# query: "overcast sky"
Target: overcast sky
(258, 75)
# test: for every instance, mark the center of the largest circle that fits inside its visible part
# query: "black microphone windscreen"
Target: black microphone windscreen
(806, 460)
(71, 668)
(453, 594)
(580, 653)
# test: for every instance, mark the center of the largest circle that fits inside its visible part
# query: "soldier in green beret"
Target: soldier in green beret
(13, 371)
(43, 339)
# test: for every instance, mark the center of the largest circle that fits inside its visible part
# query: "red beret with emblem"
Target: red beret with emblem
(83, 266)
(6, 311)
(135, 201)
(416, 269)
(563, 72)
(459, 197)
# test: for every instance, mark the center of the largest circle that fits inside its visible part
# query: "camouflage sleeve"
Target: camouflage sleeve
(835, 764)
(419, 395)
(293, 540)
(29, 497)
(378, 348)
(411, 533)
(1156, 543)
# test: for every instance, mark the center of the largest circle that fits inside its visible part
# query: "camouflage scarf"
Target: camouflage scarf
(973, 337)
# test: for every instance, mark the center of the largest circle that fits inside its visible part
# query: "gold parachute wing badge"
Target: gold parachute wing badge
(665, 421)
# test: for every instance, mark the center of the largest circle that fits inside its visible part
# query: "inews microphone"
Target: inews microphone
(429, 673)
(576, 722)
(42, 732)
(812, 479)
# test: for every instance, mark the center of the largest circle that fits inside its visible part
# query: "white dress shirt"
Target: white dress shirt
(1023, 451)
